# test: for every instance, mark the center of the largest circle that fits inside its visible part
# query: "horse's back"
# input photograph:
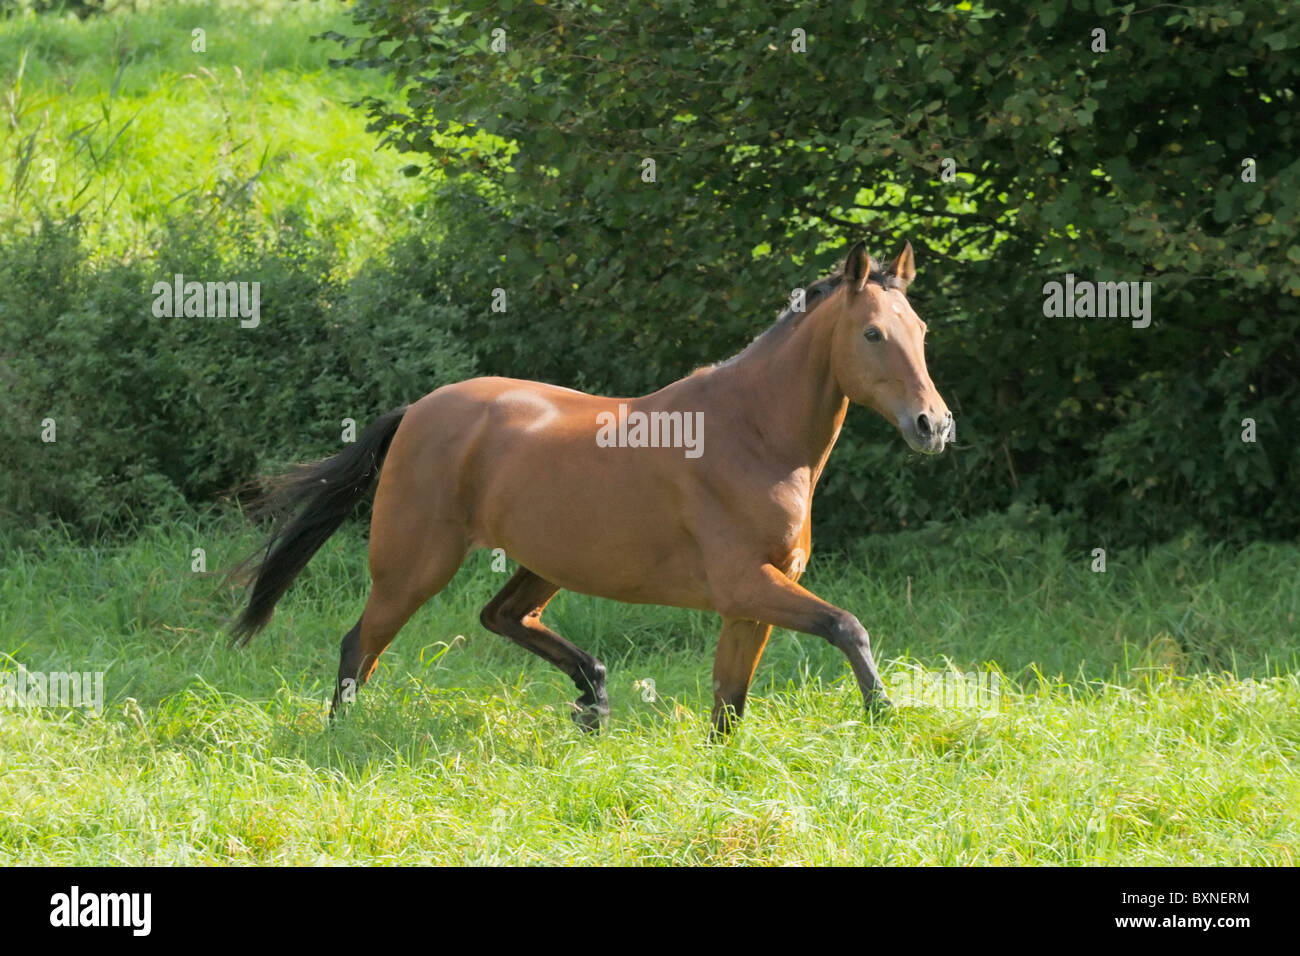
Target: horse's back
(519, 464)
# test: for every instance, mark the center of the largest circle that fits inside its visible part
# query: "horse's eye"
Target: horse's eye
(873, 334)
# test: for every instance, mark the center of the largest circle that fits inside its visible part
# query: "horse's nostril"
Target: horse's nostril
(923, 425)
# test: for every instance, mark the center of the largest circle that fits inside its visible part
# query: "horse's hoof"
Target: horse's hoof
(591, 717)
(879, 706)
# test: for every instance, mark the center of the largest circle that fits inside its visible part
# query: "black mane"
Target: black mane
(822, 289)
(814, 295)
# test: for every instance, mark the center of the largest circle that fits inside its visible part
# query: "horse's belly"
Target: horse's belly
(593, 526)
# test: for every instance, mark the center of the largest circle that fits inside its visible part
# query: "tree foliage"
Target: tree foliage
(1012, 145)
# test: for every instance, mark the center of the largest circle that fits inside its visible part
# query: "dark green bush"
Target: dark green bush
(1120, 164)
(154, 412)
(82, 8)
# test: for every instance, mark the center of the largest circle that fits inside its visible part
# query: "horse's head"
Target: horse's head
(878, 350)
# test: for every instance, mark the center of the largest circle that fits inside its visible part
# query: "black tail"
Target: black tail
(333, 488)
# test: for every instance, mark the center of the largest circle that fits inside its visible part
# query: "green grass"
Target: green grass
(118, 119)
(1148, 715)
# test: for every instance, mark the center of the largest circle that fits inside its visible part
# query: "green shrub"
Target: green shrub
(152, 412)
(1122, 164)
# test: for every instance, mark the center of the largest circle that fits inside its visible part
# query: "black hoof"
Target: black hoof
(590, 717)
(879, 705)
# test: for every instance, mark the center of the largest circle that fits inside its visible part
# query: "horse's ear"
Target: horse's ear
(904, 267)
(856, 266)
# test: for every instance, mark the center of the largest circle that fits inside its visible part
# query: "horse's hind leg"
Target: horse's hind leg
(399, 586)
(516, 613)
(740, 645)
(345, 685)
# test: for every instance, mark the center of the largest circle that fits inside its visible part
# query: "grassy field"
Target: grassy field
(119, 119)
(1147, 715)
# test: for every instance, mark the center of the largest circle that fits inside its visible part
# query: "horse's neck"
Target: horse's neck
(788, 396)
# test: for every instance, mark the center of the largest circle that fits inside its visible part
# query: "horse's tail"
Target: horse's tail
(332, 488)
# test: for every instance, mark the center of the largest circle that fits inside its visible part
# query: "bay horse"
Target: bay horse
(520, 466)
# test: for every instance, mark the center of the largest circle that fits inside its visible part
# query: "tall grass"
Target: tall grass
(1147, 715)
(117, 119)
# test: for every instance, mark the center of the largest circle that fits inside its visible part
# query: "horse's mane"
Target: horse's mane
(814, 295)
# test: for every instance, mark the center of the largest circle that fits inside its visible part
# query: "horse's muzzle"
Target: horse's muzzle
(928, 434)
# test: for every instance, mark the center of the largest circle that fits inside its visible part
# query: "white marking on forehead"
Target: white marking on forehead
(531, 403)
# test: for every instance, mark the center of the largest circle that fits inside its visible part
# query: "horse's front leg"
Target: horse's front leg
(766, 594)
(740, 645)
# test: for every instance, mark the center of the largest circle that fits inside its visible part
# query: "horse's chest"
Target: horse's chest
(781, 514)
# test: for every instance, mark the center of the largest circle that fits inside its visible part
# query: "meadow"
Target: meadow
(120, 121)
(1146, 715)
